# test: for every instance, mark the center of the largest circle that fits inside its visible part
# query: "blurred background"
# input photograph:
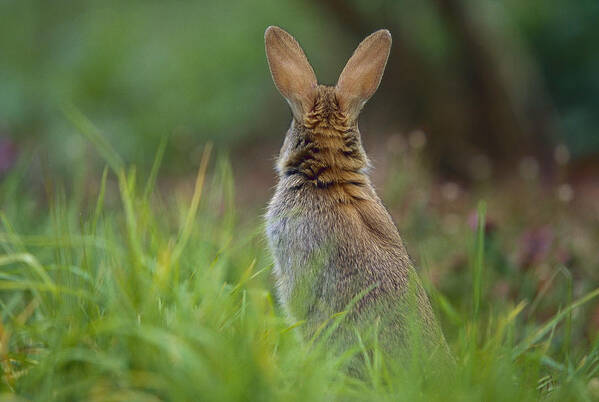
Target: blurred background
(487, 99)
(487, 82)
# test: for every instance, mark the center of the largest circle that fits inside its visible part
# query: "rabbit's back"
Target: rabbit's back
(327, 253)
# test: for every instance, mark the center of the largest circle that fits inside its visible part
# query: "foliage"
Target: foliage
(143, 69)
(127, 284)
(127, 292)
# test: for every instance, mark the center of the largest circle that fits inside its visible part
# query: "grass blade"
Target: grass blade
(545, 329)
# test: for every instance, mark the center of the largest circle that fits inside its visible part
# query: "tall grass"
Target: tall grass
(131, 293)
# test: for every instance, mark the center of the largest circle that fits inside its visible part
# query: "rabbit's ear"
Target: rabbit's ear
(363, 72)
(290, 70)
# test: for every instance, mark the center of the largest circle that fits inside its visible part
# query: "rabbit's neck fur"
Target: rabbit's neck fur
(325, 151)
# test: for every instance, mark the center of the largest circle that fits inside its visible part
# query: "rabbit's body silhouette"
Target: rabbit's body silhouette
(335, 245)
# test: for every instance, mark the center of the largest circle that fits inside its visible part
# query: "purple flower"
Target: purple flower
(535, 245)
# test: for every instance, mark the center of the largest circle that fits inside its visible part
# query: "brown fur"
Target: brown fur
(331, 236)
(329, 154)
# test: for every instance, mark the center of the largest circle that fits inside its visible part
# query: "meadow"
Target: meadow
(115, 289)
(137, 143)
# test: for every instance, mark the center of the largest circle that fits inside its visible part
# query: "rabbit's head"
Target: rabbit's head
(323, 142)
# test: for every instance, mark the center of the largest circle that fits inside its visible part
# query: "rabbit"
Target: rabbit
(332, 240)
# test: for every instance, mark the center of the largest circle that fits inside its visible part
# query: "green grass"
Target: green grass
(123, 291)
